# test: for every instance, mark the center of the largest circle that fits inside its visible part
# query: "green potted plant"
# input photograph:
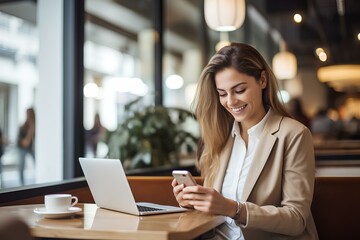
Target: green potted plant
(153, 136)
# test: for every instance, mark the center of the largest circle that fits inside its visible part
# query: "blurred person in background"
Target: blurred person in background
(323, 127)
(352, 128)
(26, 140)
(94, 136)
(334, 115)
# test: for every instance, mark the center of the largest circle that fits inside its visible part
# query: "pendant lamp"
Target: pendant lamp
(224, 15)
(341, 77)
(284, 64)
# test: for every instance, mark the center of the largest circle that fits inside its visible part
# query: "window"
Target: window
(19, 47)
(119, 66)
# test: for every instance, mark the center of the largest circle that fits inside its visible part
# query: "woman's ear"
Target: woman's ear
(263, 79)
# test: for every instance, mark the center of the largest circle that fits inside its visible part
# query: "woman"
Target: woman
(94, 136)
(26, 140)
(258, 163)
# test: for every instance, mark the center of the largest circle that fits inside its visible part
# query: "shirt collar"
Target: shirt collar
(255, 130)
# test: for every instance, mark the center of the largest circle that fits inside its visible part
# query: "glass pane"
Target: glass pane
(119, 68)
(18, 82)
(183, 60)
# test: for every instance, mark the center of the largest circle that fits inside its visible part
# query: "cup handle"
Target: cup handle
(74, 200)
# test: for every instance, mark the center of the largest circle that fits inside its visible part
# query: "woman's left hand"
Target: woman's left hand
(209, 200)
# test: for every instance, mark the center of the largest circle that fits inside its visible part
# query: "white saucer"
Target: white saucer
(42, 211)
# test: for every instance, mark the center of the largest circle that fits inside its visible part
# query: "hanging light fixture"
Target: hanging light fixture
(340, 77)
(224, 15)
(284, 63)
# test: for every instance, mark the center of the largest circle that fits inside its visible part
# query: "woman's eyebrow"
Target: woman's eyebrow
(219, 89)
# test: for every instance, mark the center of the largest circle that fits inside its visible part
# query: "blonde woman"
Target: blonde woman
(257, 162)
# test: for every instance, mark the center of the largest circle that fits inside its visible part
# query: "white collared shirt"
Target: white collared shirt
(238, 169)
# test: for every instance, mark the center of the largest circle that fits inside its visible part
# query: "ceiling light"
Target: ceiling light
(224, 15)
(358, 36)
(174, 81)
(319, 50)
(323, 56)
(297, 18)
(283, 96)
(91, 90)
(349, 72)
(340, 76)
(284, 63)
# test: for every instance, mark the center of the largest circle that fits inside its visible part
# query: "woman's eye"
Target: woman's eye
(240, 91)
(221, 93)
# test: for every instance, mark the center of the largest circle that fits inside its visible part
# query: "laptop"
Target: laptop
(110, 189)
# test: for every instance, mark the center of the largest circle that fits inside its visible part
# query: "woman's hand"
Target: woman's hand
(178, 193)
(209, 200)
(204, 199)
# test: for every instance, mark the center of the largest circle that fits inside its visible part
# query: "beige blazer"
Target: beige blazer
(279, 188)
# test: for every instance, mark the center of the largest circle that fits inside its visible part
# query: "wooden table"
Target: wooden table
(98, 223)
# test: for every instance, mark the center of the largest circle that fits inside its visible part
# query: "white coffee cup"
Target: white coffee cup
(59, 202)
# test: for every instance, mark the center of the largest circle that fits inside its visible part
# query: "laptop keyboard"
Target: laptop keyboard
(147, 209)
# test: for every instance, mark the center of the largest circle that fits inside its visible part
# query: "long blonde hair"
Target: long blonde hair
(215, 121)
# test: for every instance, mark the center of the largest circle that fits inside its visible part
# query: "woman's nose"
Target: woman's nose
(231, 99)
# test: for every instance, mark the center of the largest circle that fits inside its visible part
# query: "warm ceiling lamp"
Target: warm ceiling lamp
(224, 15)
(297, 18)
(284, 64)
(340, 77)
(320, 52)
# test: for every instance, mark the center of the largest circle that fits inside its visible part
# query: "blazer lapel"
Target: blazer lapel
(224, 160)
(266, 143)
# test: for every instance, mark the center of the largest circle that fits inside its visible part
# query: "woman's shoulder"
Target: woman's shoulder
(287, 124)
(292, 127)
(291, 122)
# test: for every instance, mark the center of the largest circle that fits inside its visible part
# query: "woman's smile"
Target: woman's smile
(238, 109)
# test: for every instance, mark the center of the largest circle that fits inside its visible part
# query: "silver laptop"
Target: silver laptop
(110, 189)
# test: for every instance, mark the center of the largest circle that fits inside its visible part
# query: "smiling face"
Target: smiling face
(241, 95)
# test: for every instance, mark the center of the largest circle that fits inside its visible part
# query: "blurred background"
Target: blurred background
(116, 78)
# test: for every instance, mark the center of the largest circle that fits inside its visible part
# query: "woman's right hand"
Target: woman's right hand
(178, 193)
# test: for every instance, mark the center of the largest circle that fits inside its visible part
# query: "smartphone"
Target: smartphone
(184, 177)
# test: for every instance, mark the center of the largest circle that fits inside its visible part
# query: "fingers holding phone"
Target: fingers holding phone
(184, 177)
